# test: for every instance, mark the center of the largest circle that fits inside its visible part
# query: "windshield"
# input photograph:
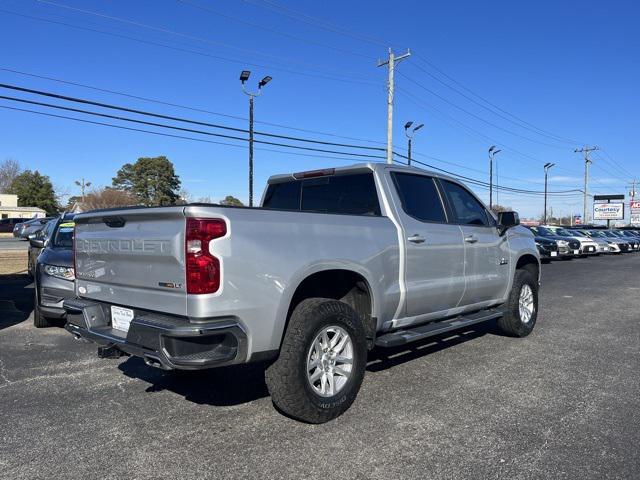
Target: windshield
(564, 233)
(63, 236)
(544, 231)
(596, 234)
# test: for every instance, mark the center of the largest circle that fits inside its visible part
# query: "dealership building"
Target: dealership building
(9, 208)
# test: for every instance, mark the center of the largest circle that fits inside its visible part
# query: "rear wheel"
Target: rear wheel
(522, 305)
(322, 361)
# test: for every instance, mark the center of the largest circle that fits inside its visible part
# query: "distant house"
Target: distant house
(9, 208)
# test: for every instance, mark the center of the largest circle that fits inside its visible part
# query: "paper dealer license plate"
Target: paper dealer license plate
(121, 318)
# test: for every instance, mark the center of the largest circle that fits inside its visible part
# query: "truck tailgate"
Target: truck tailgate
(133, 257)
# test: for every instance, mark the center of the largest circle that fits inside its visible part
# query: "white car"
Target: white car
(588, 246)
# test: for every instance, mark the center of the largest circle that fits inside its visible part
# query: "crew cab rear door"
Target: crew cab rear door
(486, 252)
(434, 263)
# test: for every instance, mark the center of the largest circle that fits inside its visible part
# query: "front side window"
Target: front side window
(419, 196)
(468, 210)
(63, 236)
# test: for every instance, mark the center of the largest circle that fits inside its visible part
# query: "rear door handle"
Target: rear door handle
(416, 239)
(470, 239)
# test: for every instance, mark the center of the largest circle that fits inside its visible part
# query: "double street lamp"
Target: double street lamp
(492, 152)
(410, 132)
(547, 166)
(244, 76)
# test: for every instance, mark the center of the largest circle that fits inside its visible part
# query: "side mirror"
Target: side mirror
(37, 242)
(506, 220)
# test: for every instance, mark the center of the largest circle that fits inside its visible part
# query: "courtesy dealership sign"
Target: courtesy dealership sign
(608, 211)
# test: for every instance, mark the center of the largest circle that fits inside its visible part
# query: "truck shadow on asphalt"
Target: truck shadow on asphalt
(16, 299)
(240, 384)
(226, 386)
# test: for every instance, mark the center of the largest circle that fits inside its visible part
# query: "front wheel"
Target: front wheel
(322, 361)
(39, 320)
(522, 306)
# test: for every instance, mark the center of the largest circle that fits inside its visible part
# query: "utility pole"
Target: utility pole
(82, 184)
(492, 152)
(547, 166)
(410, 134)
(632, 194)
(244, 76)
(391, 62)
(586, 150)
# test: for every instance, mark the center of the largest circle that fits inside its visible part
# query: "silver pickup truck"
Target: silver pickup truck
(333, 263)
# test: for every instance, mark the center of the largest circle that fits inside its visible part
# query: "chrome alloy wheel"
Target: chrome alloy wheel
(330, 361)
(525, 303)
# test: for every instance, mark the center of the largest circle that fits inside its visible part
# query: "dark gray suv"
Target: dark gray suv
(54, 272)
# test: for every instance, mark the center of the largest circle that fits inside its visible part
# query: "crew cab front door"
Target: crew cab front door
(486, 252)
(434, 249)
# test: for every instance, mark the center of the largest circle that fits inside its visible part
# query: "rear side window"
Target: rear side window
(419, 196)
(347, 194)
(466, 207)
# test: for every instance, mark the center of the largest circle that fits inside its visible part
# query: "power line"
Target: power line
(477, 117)
(182, 129)
(496, 111)
(316, 22)
(471, 180)
(184, 107)
(167, 117)
(480, 182)
(271, 30)
(179, 119)
(186, 50)
(162, 134)
(472, 131)
(441, 72)
(278, 58)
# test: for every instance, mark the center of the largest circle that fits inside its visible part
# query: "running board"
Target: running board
(412, 334)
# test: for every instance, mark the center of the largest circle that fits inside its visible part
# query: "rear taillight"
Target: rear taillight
(203, 269)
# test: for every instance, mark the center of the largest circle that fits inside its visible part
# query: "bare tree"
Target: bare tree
(500, 208)
(107, 198)
(9, 170)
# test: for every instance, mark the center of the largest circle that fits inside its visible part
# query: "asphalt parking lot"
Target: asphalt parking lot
(562, 403)
(11, 243)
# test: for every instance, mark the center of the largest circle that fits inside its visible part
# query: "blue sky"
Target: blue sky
(569, 69)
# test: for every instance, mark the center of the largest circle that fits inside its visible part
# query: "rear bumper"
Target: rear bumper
(164, 341)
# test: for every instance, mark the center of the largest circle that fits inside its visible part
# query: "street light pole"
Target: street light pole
(82, 184)
(244, 76)
(492, 152)
(410, 134)
(547, 166)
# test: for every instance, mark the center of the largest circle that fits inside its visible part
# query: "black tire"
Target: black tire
(39, 320)
(287, 379)
(511, 322)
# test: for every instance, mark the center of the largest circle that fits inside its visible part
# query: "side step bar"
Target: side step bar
(412, 334)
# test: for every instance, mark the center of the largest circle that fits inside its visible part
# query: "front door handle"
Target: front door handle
(416, 239)
(470, 239)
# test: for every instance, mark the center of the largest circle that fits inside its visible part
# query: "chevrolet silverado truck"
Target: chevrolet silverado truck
(332, 264)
